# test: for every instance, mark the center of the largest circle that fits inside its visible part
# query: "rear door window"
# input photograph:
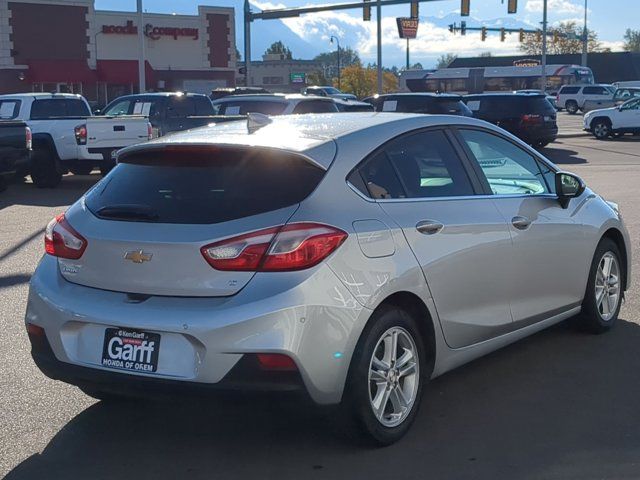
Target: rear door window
(203, 105)
(203, 186)
(180, 107)
(9, 109)
(595, 91)
(569, 90)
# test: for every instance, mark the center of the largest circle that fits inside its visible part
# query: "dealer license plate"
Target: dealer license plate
(130, 350)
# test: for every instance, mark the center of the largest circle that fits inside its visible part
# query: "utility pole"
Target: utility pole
(141, 80)
(407, 54)
(585, 39)
(379, 20)
(543, 77)
(332, 38)
(247, 43)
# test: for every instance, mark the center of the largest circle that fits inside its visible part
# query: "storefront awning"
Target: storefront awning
(123, 71)
(60, 71)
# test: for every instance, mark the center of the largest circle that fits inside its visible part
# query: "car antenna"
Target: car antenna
(255, 121)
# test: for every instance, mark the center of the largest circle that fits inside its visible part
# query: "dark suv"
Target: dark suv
(420, 103)
(529, 117)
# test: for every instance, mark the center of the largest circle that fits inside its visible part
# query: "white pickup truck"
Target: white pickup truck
(614, 121)
(67, 138)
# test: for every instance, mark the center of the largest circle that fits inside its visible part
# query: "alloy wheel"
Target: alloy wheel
(607, 286)
(394, 376)
(601, 130)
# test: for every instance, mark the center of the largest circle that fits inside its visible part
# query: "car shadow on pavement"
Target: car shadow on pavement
(70, 189)
(561, 156)
(559, 404)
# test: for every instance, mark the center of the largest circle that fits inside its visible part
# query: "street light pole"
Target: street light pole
(141, 80)
(379, 21)
(247, 43)
(338, 44)
(585, 39)
(543, 77)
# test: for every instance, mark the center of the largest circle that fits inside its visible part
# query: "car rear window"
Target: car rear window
(502, 106)
(242, 107)
(202, 186)
(58, 107)
(315, 106)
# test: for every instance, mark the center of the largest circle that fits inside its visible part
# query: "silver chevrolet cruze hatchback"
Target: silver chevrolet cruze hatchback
(353, 257)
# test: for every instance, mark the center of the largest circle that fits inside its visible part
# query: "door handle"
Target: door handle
(521, 223)
(429, 227)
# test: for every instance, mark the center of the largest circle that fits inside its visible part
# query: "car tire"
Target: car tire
(81, 169)
(601, 129)
(604, 293)
(45, 172)
(376, 384)
(572, 107)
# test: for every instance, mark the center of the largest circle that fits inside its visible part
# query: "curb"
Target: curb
(573, 135)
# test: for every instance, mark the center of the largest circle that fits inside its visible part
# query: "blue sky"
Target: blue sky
(606, 17)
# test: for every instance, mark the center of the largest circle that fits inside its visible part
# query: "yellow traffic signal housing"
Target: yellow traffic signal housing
(483, 34)
(366, 11)
(512, 6)
(414, 9)
(521, 35)
(503, 35)
(464, 8)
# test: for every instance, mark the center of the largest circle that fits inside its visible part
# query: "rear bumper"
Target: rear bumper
(535, 135)
(205, 342)
(98, 154)
(14, 160)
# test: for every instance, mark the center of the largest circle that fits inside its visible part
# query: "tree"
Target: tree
(279, 48)
(632, 40)
(317, 78)
(363, 81)
(567, 40)
(348, 56)
(445, 60)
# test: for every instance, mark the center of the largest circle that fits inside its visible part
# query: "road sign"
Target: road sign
(297, 78)
(407, 27)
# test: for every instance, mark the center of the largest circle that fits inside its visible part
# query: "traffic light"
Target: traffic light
(452, 28)
(414, 9)
(503, 35)
(483, 34)
(366, 11)
(464, 8)
(555, 37)
(538, 35)
(512, 6)
(521, 35)
(463, 28)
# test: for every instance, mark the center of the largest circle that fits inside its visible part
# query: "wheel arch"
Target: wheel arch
(617, 237)
(416, 307)
(595, 119)
(45, 140)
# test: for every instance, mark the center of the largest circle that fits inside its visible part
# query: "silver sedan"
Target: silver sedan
(353, 257)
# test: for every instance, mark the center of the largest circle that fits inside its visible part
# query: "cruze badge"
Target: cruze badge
(138, 256)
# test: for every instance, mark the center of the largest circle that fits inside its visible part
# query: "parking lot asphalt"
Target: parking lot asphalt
(558, 405)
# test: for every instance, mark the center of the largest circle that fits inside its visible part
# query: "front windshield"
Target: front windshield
(584, 75)
(331, 90)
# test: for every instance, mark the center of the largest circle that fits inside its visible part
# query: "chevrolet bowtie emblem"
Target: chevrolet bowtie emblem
(138, 256)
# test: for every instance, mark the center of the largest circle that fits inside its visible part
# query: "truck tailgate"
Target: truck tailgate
(116, 132)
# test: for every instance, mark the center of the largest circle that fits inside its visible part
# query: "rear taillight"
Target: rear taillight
(531, 119)
(81, 134)
(149, 131)
(292, 247)
(61, 240)
(28, 137)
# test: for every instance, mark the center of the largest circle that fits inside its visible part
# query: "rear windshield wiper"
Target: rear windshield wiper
(131, 212)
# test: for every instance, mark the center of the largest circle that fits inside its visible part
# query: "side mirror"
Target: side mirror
(568, 186)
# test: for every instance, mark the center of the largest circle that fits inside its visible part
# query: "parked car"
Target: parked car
(351, 256)
(225, 92)
(420, 103)
(167, 111)
(529, 117)
(572, 97)
(326, 91)
(15, 146)
(614, 121)
(273, 104)
(620, 96)
(66, 137)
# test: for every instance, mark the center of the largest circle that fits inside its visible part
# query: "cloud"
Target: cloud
(554, 7)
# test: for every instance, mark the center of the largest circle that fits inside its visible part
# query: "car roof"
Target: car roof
(506, 95)
(42, 95)
(270, 97)
(418, 94)
(314, 135)
(165, 94)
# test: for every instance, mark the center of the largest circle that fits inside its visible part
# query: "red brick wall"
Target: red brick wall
(42, 32)
(218, 32)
